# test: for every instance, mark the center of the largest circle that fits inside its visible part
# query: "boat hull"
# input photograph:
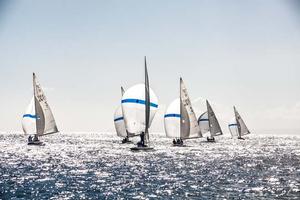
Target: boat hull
(211, 140)
(142, 149)
(36, 143)
(126, 142)
(179, 145)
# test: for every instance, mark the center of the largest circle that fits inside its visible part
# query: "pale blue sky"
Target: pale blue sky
(243, 53)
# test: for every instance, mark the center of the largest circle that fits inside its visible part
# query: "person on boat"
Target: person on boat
(174, 141)
(181, 141)
(35, 139)
(142, 139)
(30, 138)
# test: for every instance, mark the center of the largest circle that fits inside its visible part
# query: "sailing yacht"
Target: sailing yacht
(139, 105)
(180, 120)
(38, 119)
(208, 122)
(237, 126)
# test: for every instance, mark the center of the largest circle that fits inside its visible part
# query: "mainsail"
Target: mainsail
(189, 127)
(38, 118)
(214, 126)
(242, 128)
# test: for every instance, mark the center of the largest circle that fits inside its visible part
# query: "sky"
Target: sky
(242, 53)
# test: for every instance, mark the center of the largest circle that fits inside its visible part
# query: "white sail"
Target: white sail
(172, 120)
(45, 123)
(189, 124)
(242, 128)
(29, 119)
(119, 122)
(203, 123)
(233, 128)
(214, 126)
(133, 107)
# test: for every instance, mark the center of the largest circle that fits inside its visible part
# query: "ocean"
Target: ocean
(98, 166)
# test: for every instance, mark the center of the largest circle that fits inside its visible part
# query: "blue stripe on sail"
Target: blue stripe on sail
(30, 116)
(172, 115)
(203, 120)
(118, 119)
(139, 102)
(232, 125)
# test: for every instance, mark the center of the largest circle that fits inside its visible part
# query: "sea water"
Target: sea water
(98, 166)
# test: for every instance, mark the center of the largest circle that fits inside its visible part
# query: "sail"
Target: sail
(133, 107)
(119, 122)
(147, 104)
(242, 128)
(29, 119)
(122, 91)
(214, 126)
(188, 118)
(172, 119)
(45, 123)
(233, 128)
(203, 123)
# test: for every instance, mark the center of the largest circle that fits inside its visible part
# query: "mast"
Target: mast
(147, 102)
(35, 101)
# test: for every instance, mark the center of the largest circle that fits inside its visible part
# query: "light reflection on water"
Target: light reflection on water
(82, 165)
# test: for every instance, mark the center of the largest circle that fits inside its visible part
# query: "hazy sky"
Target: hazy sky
(243, 53)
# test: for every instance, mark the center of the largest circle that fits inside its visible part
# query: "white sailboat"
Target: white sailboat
(139, 105)
(180, 120)
(38, 119)
(208, 122)
(237, 126)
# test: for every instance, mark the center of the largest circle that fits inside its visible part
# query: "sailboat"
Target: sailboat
(237, 126)
(208, 122)
(139, 105)
(38, 119)
(120, 124)
(180, 120)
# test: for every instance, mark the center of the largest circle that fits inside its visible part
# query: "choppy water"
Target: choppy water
(97, 166)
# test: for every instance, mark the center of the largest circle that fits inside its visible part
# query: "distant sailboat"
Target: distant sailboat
(120, 124)
(180, 120)
(208, 122)
(237, 126)
(38, 119)
(139, 105)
